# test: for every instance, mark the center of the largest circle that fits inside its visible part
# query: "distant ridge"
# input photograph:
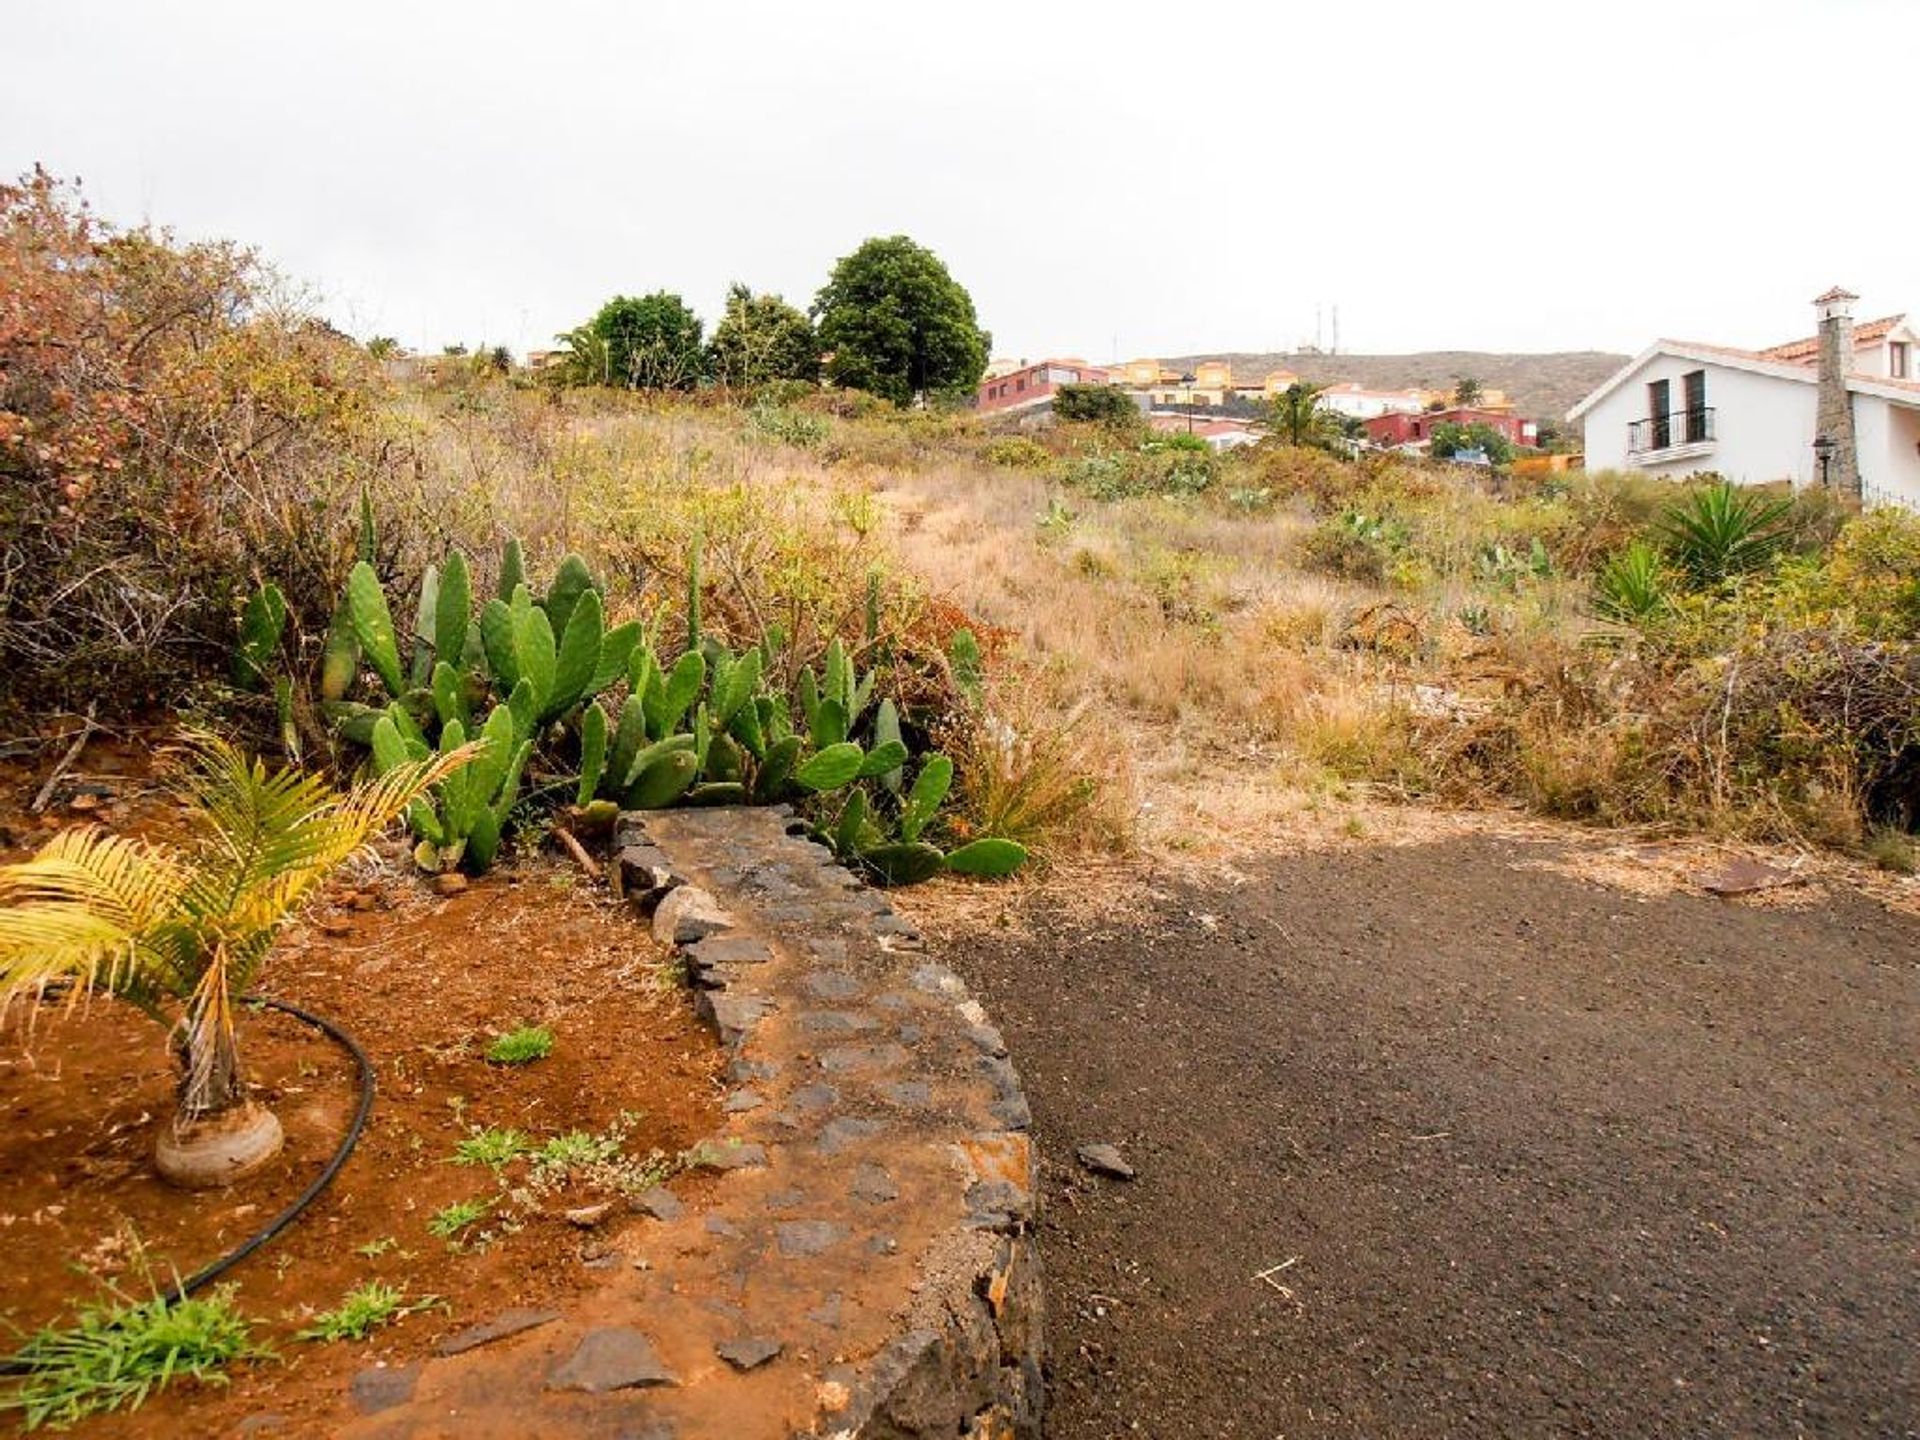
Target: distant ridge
(1542, 387)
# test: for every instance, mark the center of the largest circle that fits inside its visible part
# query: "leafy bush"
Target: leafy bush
(168, 422)
(1017, 452)
(1096, 404)
(1355, 545)
(787, 427)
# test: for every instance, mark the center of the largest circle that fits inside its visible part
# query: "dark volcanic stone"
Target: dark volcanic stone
(749, 1353)
(507, 1322)
(613, 1357)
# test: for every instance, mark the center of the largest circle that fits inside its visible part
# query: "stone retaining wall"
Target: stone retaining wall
(879, 1135)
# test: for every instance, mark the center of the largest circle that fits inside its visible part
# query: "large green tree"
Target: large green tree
(762, 338)
(649, 343)
(895, 323)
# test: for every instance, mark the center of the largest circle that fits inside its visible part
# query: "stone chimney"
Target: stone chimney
(1834, 415)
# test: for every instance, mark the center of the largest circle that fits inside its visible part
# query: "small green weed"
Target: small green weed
(115, 1355)
(521, 1045)
(492, 1147)
(449, 1221)
(577, 1149)
(374, 1249)
(363, 1310)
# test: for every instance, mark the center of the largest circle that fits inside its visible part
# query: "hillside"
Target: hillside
(1543, 387)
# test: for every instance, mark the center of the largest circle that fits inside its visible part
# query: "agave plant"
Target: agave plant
(181, 931)
(1631, 586)
(1720, 532)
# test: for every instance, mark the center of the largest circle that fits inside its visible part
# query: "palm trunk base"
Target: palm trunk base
(218, 1149)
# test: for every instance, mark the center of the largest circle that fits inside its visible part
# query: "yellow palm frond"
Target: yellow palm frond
(83, 908)
(273, 836)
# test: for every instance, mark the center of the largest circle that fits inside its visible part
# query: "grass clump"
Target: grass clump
(492, 1147)
(363, 1310)
(577, 1149)
(521, 1046)
(449, 1222)
(116, 1355)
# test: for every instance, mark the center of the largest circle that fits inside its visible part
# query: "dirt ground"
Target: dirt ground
(424, 982)
(1519, 1153)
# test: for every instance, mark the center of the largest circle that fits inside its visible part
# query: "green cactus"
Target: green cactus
(593, 752)
(989, 857)
(963, 655)
(513, 569)
(368, 547)
(930, 788)
(420, 669)
(830, 768)
(453, 608)
(903, 862)
(339, 657)
(462, 821)
(776, 770)
(886, 732)
(571, 582)
(373, 626)
(262, 622)
(662, 781)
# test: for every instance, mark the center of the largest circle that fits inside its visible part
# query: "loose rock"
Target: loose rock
(1103, 1159)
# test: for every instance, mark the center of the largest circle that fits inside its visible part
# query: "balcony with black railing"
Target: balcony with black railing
(1671, 431)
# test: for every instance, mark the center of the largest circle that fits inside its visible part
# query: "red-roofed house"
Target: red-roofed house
(1394, 430)
(1033, 385)
(1840, 408)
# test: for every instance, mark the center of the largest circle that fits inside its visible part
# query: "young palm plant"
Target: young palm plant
(181, 930)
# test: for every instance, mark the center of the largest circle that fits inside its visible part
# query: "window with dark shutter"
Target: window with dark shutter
(1659, 408)
(1693, 387)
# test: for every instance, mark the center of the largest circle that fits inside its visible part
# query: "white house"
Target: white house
(1353, 399)
(1840, 408)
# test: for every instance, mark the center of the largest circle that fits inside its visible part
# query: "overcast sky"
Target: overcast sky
(1151, 179)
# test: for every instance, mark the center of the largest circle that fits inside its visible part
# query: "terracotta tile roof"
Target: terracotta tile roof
(1838, 292)
(1805, 352)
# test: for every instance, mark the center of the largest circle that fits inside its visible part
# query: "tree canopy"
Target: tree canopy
(1295, 416)
(1450, 439)
(649, 343)
(762, 338)
(895, 323)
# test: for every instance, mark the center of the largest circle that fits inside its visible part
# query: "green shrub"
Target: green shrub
(787, 427)
(1098, 404)
(1355, 546)
(1017, 452)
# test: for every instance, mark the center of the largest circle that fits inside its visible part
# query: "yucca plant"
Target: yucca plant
(1721, 532)
(181, 931)
(1631, 586)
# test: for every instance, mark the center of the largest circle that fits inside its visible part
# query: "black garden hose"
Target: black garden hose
(364, 1067)
(200, 1279)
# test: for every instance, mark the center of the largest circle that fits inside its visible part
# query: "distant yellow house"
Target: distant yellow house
(1143, 375)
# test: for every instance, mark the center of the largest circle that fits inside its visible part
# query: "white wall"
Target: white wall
(1889, 461)
(1763, 425)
